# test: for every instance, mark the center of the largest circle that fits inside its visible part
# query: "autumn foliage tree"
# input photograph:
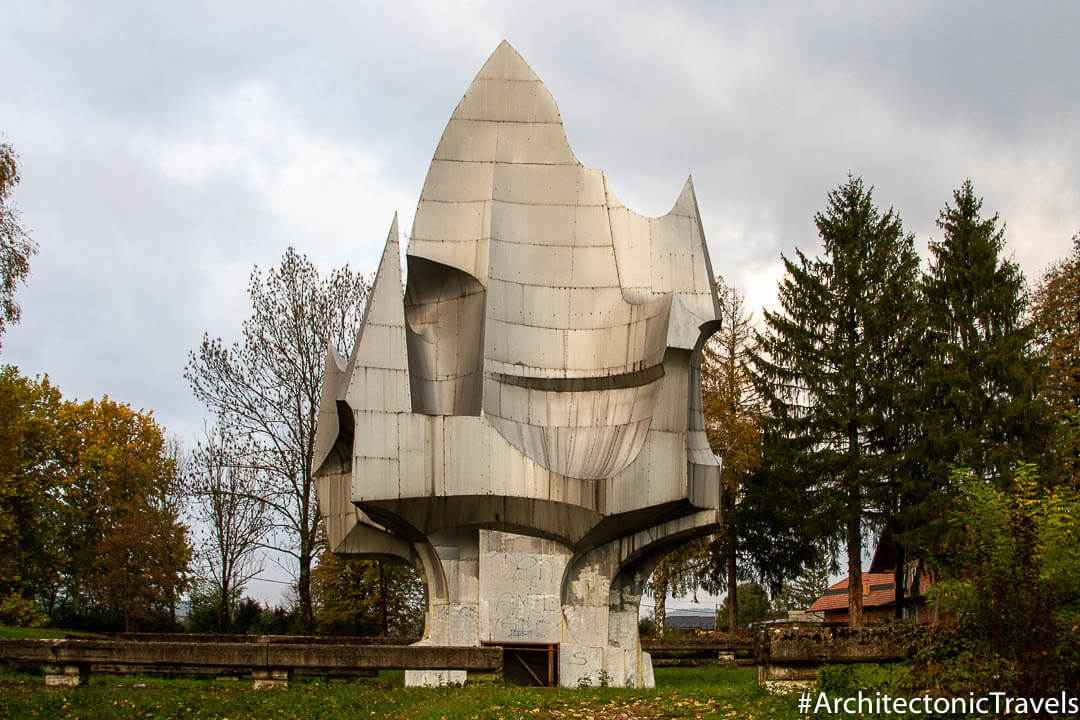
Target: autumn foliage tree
(16, 247)
(1056, 308)
(367, 597)
(89, 514)
(733, 423)
(30, 548)
(127, 550)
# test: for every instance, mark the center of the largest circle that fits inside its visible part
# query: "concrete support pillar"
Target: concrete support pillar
(601, 596)
(67, 675)
(585, 591)
(626, 664)
(452, 566)
(272, 678)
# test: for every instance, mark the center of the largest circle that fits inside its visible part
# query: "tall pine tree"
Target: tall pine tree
(981, 409)
(831, 363)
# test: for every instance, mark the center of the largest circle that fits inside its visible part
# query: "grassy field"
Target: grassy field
(707, 692)
(21, 632)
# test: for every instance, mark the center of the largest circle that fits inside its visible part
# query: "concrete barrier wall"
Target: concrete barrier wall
(790, 657)
(735, 642)
(264, 639)
(835, 644)
(218, 657)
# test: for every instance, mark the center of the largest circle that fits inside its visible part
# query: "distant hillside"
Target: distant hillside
(691, 619)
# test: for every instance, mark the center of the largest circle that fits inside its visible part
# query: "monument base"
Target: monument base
(521, 591)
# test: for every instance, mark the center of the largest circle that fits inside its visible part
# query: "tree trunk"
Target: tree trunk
(303, 591)
(855, 508)
(855, 584)
(898, 578)
(223, 609)
(732, 582)
(383, 624)
(660, 611)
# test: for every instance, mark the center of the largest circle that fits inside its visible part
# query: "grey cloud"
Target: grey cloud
(768, 105)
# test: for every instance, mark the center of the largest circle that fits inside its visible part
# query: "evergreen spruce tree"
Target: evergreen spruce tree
(980, 377)
(980, 404)
(800, 593)
(831, 365)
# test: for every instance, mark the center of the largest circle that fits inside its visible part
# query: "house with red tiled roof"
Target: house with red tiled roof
(879, 599)
(879, 591)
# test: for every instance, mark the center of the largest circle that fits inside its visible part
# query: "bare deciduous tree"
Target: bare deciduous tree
(266, 389)
(225, 499)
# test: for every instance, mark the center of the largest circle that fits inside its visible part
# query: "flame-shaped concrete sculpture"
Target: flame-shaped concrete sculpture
(522, 421)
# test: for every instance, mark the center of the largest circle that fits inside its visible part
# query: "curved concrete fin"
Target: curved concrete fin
(365, 541)
(678, 262)
(378, 370)
(328, 428)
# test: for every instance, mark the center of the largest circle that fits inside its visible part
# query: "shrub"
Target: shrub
(20, 612)
(1012, 580)
(847, 680)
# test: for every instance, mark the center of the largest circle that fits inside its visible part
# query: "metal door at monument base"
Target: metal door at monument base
(530, 664)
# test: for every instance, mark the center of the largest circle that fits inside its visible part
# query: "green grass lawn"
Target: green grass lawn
(706, 692)
(21, 632)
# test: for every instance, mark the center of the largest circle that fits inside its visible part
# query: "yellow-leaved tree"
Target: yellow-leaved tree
(1056, 308)
(127, 550)
(732, 423)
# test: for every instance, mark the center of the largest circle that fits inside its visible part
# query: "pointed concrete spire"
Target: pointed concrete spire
(507, 90)
(378, 368)
(506, 123)
(688, 201)
(507, 64)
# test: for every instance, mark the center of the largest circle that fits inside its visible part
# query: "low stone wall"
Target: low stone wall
(790, 657)
(263, 639)
(718, 648)
(69, 662)
(718, 643)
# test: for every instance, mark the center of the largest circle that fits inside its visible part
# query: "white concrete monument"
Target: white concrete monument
(522, 420)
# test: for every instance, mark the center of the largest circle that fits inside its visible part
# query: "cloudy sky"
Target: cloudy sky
(166, 148)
